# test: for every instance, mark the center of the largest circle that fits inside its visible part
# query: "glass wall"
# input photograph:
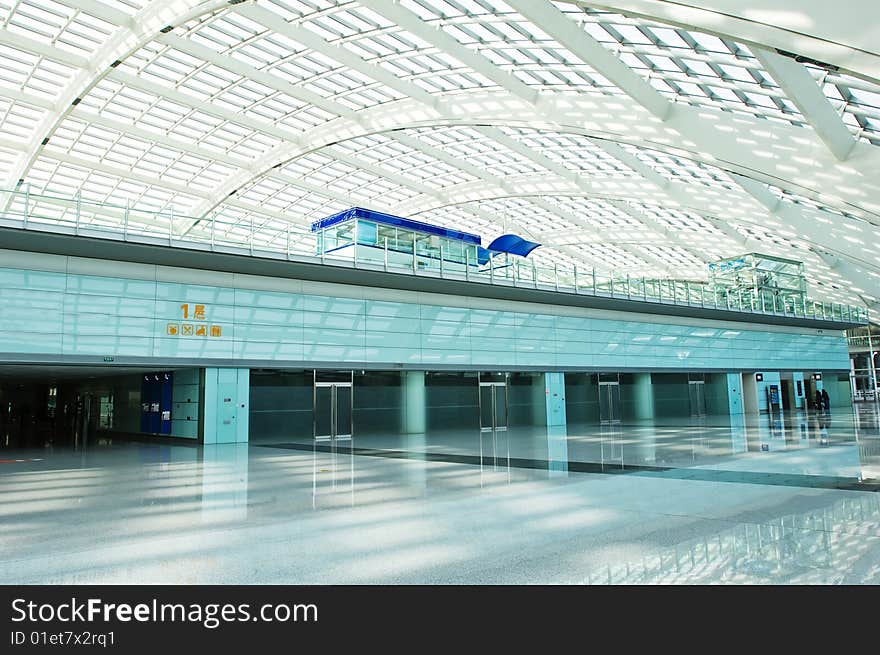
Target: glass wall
(581, 398)
(335, 237)
(378, 403)
(428, 248)
(766, 283)
(452, 400)
(526, 403)
(280, 406)
(670, 394)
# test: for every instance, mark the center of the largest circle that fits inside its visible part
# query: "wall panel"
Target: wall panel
(109, 309)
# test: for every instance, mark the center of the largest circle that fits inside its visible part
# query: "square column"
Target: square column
(643, 393)
(735, 394)
(800, 390)
(554, 395)
(414, 404)
(225, 405)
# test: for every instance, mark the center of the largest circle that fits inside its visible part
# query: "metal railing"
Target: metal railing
(223, 231)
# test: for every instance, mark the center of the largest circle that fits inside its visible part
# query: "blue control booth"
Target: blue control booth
(366, 235)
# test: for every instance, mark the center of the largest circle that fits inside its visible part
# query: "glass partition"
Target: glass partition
(751, 283)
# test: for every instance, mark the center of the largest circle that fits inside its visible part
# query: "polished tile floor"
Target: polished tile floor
(765, 500)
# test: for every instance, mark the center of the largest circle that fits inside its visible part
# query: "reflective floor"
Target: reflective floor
(766, 500)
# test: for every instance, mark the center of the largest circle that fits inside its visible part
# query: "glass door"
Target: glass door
(697, 396)
(342, 411)
(609, 402)
(487, 406)
(332, 406)
(493, 402)
(500, 406)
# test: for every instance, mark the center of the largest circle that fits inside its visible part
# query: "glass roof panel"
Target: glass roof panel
(224, 104)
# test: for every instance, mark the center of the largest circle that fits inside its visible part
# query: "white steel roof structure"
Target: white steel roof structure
(640, 136)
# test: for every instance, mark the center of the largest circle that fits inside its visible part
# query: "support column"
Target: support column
(414, 403)
(225, 405)
(554, 399)
(735, 394)
(799, 398)
(224, 482)
(749, 393)
(872, 369)
(643, 394)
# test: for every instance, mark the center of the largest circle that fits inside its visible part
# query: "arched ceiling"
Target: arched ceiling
(638, 136)
(846, 36)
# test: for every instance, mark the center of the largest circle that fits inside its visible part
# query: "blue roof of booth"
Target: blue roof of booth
(397, 221)
(509, 243)
(513, 244)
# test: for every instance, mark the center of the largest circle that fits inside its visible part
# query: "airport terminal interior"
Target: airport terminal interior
(445, 292)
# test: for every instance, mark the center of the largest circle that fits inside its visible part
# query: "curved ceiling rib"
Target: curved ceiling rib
(617, 139)
(813, 28)
(133, 33)
(684, 126)
(780, 155)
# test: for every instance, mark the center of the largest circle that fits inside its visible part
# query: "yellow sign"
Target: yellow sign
(198, 311)
(194, 313)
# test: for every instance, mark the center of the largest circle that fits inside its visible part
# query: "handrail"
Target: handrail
(221, 231)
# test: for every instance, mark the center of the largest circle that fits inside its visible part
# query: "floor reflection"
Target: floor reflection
(557, 450)
(333, 476)
(834, 450)
(677, 501)
(802, 548)
(494, 454)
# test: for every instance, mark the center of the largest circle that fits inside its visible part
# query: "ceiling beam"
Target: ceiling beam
(313, 41)
(575, 39)
(805, 93)
(818, 29)
(433, 34)
(133, 32)
(632, 249)
(791, 157)
(677, 192)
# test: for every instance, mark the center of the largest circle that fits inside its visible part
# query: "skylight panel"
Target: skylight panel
(378, 44)
(737, 73)
(695, 66)
(632, 61)
(45, 21)
(232, 29)
(632, 34)
(425, 11)
(688, 88)
(866, 98)
(726, 94)
(669, 36)
(328, 28)
(709, 42)
(663, 63)
(760, 100)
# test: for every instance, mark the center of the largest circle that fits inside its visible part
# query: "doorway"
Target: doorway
(493, 398)
(787, 394)
(609, 398)
(697, 397)
(333, 404)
